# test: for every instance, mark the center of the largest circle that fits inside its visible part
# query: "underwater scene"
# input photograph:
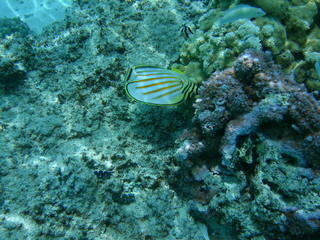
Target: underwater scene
(159, 119)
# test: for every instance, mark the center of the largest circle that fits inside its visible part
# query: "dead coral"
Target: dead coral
(220, 98)
(270, 110)
(241, 100)
(252, 156)
(311, 147)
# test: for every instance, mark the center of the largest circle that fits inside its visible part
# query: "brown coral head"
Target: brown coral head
(248, 64)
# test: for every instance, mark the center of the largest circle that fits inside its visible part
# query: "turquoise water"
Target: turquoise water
(238, 159)
(35, 13)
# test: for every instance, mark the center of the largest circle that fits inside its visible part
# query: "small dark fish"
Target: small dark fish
(186, 31)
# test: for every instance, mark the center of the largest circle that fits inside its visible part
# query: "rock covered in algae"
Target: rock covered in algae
(268, 197)
(16, 53)
(276, 8)
(253, 93)
(256, 163)
(80, 161)
(9, 26)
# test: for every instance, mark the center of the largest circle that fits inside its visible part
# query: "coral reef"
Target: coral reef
(217, 48)
(255, 128)
(301, 37)
(289, 30)
(81, 161)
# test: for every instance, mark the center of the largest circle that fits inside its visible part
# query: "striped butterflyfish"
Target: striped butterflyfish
(158, 86)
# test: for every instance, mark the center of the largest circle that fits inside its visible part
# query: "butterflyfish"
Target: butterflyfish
(186, 31)
(158, 86)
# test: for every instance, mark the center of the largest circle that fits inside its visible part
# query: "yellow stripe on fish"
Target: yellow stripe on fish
(158, 86)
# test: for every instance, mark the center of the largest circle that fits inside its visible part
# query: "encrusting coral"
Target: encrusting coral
(247, 118)
(289, 30)
(253, 93)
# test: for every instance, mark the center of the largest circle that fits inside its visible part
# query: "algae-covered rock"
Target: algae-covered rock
(305, 69)
(312, 45)
(223, 4)
(10, 73)
(268, 197)
(251, 155)
(9, 26)
(80, 161)
(276, 8)
(285, 58)
(301, 17)
(16, 54)
(16, 58)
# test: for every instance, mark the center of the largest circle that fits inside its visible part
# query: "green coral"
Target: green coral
(302, 16)
(275, 8)
(304, 69)
(217, 48)
(288, 31)
(273, 34)
(300, 20)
